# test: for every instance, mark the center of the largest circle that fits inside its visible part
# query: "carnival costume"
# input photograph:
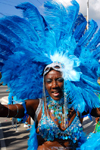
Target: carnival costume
(60, 38)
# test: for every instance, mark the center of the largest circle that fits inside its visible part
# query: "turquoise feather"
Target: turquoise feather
(88, 34)
(34, 17)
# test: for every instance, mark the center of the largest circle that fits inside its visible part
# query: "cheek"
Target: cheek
(47, 86)
(61, 85)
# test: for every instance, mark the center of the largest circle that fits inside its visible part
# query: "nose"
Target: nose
(54, 84)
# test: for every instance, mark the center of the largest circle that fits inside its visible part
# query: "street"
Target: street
(3, 91)
(12, 138)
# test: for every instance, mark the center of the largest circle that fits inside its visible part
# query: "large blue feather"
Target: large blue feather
(88, 34)
(25, 26)
(96, 53)
(32, 142)
(76, 100)
(60, 18)
(79, 31)
(80, 19)
(5, 31)
(15, 29)
(6, 41)
(91, 82)
(95, 41)
(88, 61)
(92, 143)
(35, 18)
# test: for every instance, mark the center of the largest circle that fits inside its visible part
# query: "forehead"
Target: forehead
(53, 74)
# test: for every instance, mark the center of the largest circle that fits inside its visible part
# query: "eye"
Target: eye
(60, 79)
(48, 80)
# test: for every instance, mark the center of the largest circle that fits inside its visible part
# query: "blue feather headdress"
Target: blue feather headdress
(30, 43)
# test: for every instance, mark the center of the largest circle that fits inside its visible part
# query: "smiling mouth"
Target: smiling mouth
(56, 94)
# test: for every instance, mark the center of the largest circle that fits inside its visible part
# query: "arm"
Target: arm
(17, 110)
(95, 112)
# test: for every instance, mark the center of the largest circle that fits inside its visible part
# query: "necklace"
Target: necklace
(58, 111)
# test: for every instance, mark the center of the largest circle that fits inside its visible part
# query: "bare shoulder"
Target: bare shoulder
(31, 106)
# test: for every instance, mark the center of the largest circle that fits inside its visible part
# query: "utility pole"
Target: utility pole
(87, 14)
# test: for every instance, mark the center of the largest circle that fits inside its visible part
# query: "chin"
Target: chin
(56, 98)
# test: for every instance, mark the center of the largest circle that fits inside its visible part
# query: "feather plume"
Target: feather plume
(32, 142)
(96, 53)
(80, 19)
(4, 30)
(15, 29)
(34, 17)
(88, 34)
(93, 142)
(79, 31)
(95, 41)
(60, 18)
(26, 27)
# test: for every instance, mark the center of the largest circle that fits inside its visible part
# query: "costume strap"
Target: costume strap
(38, 109)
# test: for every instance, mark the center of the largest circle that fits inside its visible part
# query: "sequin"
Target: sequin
(49, 130)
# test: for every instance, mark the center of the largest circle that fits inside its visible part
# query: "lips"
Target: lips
(55, 93)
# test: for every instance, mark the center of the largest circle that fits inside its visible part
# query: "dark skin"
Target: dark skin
(54, 85)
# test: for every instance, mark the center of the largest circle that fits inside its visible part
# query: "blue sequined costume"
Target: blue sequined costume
(49, 130)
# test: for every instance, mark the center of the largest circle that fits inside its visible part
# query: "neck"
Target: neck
(55, 102)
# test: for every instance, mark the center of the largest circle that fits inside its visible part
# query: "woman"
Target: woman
(60, 42)
(51, 113)
(54, 82)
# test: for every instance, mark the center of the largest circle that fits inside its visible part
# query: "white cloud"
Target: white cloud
(64, 2)
(94, 8)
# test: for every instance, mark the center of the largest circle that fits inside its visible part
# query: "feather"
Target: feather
(16, 78)
(80, 19)
(93, 142)
(88, 62)
(60, 18)
(6, 47)
(34, 17)
(15, 29)
(4, 31)
(88, 34)
(91, 82)
(32, 142)
(5, 50)
(6, 41)
(76, 99)
(79, 31)
(25, 26)
(96, 52)
(95, 41)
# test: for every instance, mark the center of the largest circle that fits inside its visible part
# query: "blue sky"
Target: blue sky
(7, 7)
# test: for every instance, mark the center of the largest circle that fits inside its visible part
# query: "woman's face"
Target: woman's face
(54, 84)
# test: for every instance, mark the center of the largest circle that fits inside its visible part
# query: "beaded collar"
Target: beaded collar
(57, 109)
